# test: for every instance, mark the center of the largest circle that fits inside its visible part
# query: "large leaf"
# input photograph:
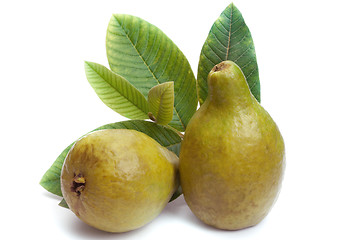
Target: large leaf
(116, 92)
(145, 56)
(166, 137)
(161, 102)
(228, 39)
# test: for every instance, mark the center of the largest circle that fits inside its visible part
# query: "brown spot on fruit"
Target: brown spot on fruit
(220, 66)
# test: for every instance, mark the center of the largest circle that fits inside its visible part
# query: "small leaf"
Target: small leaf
(63, 203)
(176, 194)
(116, 92)
(161, 102)
(228, 39)
(164, 136)
(146, 57)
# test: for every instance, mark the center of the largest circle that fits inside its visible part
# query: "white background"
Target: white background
(308, 56)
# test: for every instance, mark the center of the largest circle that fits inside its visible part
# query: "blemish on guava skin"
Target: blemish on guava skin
(219, 67)
(78, 184)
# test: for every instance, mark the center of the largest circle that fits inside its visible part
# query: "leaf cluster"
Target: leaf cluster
(150, 81)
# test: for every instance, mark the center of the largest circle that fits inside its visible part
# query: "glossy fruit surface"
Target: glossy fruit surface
(232, 157)
(118, 180)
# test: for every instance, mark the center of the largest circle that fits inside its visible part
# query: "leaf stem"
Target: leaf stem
(181, 135)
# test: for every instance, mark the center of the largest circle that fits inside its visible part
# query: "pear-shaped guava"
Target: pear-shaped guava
(118, 180)
(232, 157)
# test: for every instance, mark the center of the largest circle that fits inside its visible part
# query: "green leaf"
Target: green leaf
(145, 56)
(164, 136)
(116, 92)
(228, 39)
(63, 203)
(176, 194)
(51, 179)
(161, 102)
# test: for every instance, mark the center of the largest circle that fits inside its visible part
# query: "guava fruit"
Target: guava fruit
(232, 158)
(118, 180)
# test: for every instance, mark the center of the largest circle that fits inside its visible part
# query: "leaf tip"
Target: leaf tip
(116, 17)
(63, 204)
(44, 180)
(88, 63)
(232, 5)
(41, 183)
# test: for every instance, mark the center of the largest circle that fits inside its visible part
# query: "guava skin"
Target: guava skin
(232, 158)
(118, 180)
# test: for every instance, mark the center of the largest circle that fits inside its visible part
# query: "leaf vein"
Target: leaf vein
(218, 40)
(214, 52)
(101, 74)
(242, 54)
(137, 51)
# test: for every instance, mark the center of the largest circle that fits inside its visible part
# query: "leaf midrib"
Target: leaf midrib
(147, 66)
(138, 53)
(111, 85)
(228, 47)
